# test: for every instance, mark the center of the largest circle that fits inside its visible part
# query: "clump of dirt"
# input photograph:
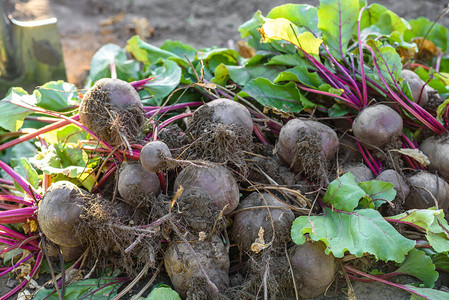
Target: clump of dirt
(218, 142)
(111, 239)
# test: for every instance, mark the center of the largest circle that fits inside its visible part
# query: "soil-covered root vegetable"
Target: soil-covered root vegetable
(59, 213)
(222, 130)
(155, 156)
(377, 125)
(135, 184)
(314, 271)
(187, 277)
(212, 181)
(307, 146)
(360, 171)
(113, 111)
(437, 150)
(427, 190)
(400, 185)
(417, 86)
(261, 211)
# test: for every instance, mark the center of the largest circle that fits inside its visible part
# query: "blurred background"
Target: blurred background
(85, 25)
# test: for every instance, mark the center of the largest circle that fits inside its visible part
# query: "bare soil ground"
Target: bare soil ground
(86, 25)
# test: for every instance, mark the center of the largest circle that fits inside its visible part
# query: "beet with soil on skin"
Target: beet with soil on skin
(377, 125)
(307, 146)
(400, 185)
(212, 181)
(254, 215)
(222, 131)
(155, 156)
(59, 213)
(426, 188)
(314, 270)
(135, 183)
(185, 274)
(360, 171)
(113, 111)
(437, 150)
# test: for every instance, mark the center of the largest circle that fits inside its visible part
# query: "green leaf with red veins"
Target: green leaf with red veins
(344, 193)
(358, 232)
(432, 221)
(419, 265)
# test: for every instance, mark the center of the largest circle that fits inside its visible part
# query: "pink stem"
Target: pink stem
(24, 184)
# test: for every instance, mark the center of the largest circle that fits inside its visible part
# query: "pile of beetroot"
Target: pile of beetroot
(205, 192)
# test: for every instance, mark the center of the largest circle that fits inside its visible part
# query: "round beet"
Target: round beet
(307, 146)
(135, 182)
(59, 213)
(314, 270)
(416, 86)
(399, 183)
(225, 111)
(360, 171)
(153, 156)
(215, 182)
(185, 274)
(112, 110)
(255, 215)
(437, 150)
(377, 125)
(424, 183)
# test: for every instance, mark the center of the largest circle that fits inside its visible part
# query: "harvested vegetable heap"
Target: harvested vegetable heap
(318, 162)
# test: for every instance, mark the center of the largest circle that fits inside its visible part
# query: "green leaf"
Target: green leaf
(337, 20)
(383, 19)
(302, 75)
(420, 27)
(430, 220)
(26, 170)
(442, 109)
(167, 79)
(426, 293)
(149, 54)
(100, 66)
(67, 134)
(338, 110)
(388, 61)
(288, 60)
(300, 14)
(344, 193)
(95, 289)
(22, 150)
(162, 292)
(358, 232)
(243, 74)
(419, 265)
(12, 115)
(68, 160)
(285, 97)
(378, 192)
(57, 95)
(221, 75)
(179, 48)
(216, 56)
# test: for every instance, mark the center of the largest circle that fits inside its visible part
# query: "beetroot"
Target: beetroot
(153, 156)
(135, 183)
(377, 125)
(437, 150)
(255, 215)
(113, 111)
(419, 91)
(313, 269)
(424, 183)
(59, 213)
(307, 146)
(400, 185)
(215, 182)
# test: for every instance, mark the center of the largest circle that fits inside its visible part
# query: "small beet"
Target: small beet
(135, 183)
(419, 91)
(377, 125)
(153, 156)
(437, 150)
(360, 171)
(113, 111)
(400, 185)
